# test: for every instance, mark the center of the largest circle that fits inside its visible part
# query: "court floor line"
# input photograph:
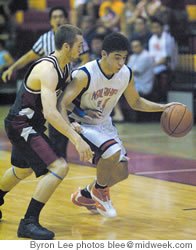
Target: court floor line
(156, 134)
(165, 171)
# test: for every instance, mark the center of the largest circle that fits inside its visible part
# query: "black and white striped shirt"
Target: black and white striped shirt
(45, 45)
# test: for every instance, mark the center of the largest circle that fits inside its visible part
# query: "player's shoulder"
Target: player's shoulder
(46, 66)
(88, 67)
(90, 64)
(126, 73)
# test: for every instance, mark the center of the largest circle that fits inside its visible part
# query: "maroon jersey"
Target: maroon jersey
(27, 110)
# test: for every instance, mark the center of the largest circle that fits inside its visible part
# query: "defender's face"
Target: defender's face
(115, 60)
(57, 19)
(76, 48)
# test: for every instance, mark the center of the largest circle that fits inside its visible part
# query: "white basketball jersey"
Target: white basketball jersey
(102, 93)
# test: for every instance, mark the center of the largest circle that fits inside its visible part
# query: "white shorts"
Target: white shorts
(104, 140)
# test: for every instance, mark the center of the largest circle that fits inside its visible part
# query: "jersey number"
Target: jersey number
(102, 104)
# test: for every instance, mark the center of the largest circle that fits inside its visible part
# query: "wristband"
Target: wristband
(79, 112)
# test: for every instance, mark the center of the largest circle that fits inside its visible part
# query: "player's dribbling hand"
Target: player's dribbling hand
(165, 106)
(92, 114)
(84, 150)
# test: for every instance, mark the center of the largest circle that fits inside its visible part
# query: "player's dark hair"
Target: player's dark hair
(58, 8)
(115, 42)
(66, 34)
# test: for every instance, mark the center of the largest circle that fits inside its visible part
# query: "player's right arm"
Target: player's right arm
(49, 79)
(20, 63)
(139, 103)
(73, 89)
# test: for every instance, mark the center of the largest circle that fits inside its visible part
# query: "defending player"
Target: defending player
(32, 150)
(96, 88)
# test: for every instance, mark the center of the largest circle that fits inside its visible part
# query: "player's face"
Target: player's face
(116, 60)
(76, 48)
(57, 19)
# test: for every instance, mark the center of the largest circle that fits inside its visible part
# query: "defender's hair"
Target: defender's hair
(115, 42)
(66, 34)
(58, 8)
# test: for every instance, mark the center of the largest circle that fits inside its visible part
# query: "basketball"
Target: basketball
(177, 120)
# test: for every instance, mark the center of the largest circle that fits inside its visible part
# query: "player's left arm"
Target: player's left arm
(139, 103)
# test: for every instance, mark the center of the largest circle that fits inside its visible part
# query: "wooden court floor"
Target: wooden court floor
(148, 208)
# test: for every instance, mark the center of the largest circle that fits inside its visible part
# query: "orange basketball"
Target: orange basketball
(177, 120)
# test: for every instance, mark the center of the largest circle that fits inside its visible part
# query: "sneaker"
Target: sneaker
(103, 202)
(78, 199)
(30, 228)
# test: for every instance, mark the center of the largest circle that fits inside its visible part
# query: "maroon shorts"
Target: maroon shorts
(36, 153)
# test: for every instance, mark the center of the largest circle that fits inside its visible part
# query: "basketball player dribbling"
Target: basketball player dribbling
(32, 151)
(96, 88)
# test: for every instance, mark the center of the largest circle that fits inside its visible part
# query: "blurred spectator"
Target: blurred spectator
(92, 8)
(45, 44)
(102, 30)
(141, 64)
(162, 48)
(141, 31)
(14, 6)
(76, 12)
(88, 28)
(109, 12)
(128, 17)
(148, 8)
(96, 47)
(165, 15)
(7, 28)
(178, 19)
(5, 58)
(4, 33)
(80, 8)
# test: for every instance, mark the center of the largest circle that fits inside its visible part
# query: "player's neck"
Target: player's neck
(104, 67)
(62, 59)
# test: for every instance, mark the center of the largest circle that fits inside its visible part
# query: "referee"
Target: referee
(45, 45)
